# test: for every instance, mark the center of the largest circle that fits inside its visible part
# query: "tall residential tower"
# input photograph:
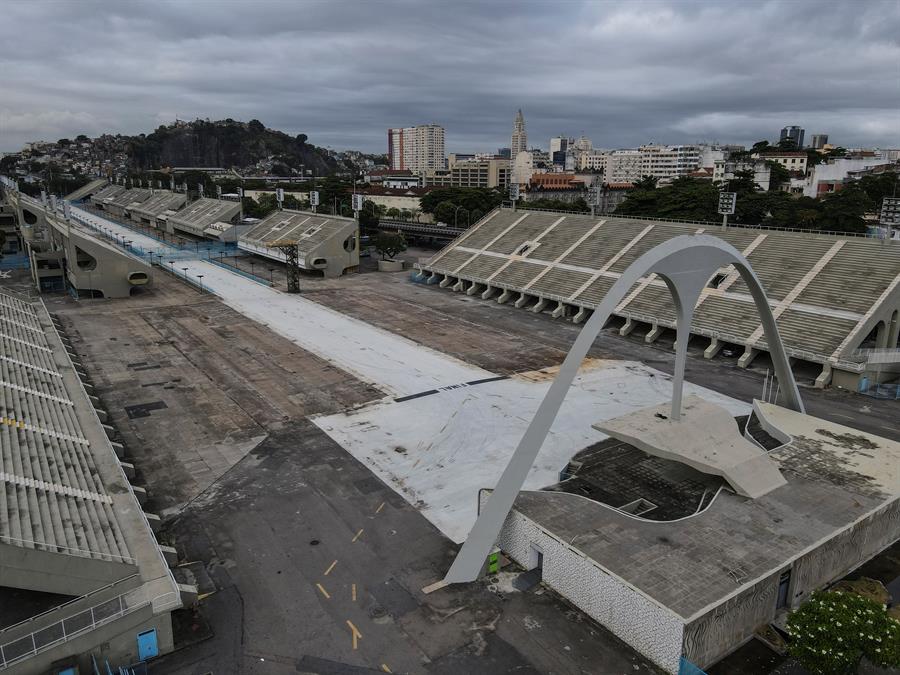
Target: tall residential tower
(519, 137)
(418, 148)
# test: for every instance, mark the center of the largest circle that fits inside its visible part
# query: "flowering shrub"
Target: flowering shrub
(832, 631)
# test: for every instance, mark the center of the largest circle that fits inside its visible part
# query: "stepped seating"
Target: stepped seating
(830, 287)
(52, 496)
(853, 277)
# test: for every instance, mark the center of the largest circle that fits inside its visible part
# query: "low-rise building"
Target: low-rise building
(725, 170)
(793, 161)
(667, 162)
(471, 173)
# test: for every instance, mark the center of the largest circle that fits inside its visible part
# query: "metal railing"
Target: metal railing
(73, 625)
(881, 355)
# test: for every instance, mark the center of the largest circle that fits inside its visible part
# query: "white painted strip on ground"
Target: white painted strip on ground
(18, 309)
(35, 392)
(557, 262)
(13, 322)
(54, 487)
(491, 242)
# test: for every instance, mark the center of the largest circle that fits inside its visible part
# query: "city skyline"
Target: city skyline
(637, 78)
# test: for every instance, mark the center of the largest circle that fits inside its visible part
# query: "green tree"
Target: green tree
(368, 217)
(646, 183)
(778, 175)
(831, 632)
(844, 211)
(389, 244)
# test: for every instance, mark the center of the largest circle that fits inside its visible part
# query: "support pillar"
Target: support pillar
(538, 306)
(894, 331)
(522, 301)
(881, 337)
(824, 378)
(446, 281)
(628, 327)
(715, 346)
(460, 285)
(489, 293)
(559, 311)
(505, 297)
(473, 289)
(654, 334)
(747, 357)
(581, 315)
(433, 279)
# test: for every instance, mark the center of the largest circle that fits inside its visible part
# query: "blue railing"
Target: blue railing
(16, 261)
(890, 392)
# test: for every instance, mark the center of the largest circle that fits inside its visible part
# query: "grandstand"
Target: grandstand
(86, 190)
(326, 243)
(99, 198)
(829, 292)
(118, 204)
(210, 218)
(70, 522)
(155, 210)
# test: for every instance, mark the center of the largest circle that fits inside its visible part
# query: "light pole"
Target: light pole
(200, 277)
(185, 269)
(271, 276)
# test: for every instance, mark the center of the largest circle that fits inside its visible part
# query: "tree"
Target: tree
(368, 217)
(389, 244)
(844, 211)
(256, 125)
(646, 183)
(831, 632)
(778, 175)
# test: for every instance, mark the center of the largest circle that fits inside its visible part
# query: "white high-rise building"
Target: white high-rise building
(519, 137)
(668, 162)
(417, 149)
(622, 166)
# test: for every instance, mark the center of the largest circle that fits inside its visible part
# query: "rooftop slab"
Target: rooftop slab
(706, 438)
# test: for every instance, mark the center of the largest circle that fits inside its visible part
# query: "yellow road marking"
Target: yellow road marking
(204, 595)
(324, 592)
(385, 668)
(353, 591)
(380, 506)
(330, 567)
(358, 534)
(354, 633)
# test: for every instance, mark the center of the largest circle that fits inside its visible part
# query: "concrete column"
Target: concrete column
(140, 493)
(473, 289)
(539, 306)
(460, 285)
(559, 311)
(715, 346)
(434, 278)
(581, 315)
(505, 297)
(824, 378)
(169, 554)
(628, 327)
(654, 334)
(489, 293)
(522, 301)
(446, 281)
(747, 357)
(129, 470)
(119, 449)
(881, 337)
(893, 331)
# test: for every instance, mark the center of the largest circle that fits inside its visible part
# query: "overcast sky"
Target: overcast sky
(623, 73)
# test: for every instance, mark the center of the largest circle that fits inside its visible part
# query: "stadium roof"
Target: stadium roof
(159, 203)
(306, 230)
(105, 193)
(127, 197)
(198, 215)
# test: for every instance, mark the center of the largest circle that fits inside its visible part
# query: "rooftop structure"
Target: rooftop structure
(70, 522)
(118, 204)
(86, 190)
(157, 208)
(99, 197)
(198, 217)
(829, 292)
(326, 243)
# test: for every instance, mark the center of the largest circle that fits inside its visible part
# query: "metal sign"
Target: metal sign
(314, 198)
(240, 192)
(890, 211)
(200, 189)
(727, 201)
(513, 192)
(593, 196)
(357, 202)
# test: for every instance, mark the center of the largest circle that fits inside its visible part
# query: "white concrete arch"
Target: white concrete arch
(686, 264)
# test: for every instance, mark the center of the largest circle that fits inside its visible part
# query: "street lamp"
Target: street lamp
(185, 269)
(271, 276)
(200, 277)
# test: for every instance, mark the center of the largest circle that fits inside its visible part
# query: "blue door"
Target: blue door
(147, 647)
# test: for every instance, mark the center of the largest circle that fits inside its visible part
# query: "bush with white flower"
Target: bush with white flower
(832, 631)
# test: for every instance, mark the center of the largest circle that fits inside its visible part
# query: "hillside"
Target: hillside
(225, 143)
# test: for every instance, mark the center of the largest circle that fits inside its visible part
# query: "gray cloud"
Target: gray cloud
(342, 72)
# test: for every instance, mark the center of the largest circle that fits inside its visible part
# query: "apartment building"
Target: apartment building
(793, 161)
(417, 149)
(622, 166)
(667, 162)
(471, 173)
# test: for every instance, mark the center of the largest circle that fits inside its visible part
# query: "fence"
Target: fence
(890, 392)
(17, 261)
(78, 623)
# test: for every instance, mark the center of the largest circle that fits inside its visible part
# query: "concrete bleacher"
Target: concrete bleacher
(197, 216)
(826, 291)
(99, 197)
(159, 204)
(70, 522)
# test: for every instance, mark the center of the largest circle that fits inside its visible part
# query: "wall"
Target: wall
(638, 621)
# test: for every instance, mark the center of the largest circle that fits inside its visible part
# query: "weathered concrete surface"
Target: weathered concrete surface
(705, 438)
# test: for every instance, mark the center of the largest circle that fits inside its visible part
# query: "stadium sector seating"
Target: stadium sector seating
(70, 523)
(197, 216)
(327, 243)
(161, 202)
(827, 291)
(117, 204)
(99, 197)
(86, 190)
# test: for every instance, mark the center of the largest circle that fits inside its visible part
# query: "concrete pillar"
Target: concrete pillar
(628, 327)
(446, 281)
(88, 387)
(581, 315)
(433, 279)
(521, 302)
(559, 311)
(881, 337)
(101, 414)
(654, 334)
(489, 293)
(460, 285)
(538, 306)
(715, 346)
(119, 449)
(893, 331)
(170, 555)
(129, 470)
(747, 357)
(110, 431)
(140, 493)
(188, 594)
(473, 289)
(824, 378)
(505, 297)
(155, 522)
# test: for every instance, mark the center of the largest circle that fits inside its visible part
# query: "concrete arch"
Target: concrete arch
(685, 263)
